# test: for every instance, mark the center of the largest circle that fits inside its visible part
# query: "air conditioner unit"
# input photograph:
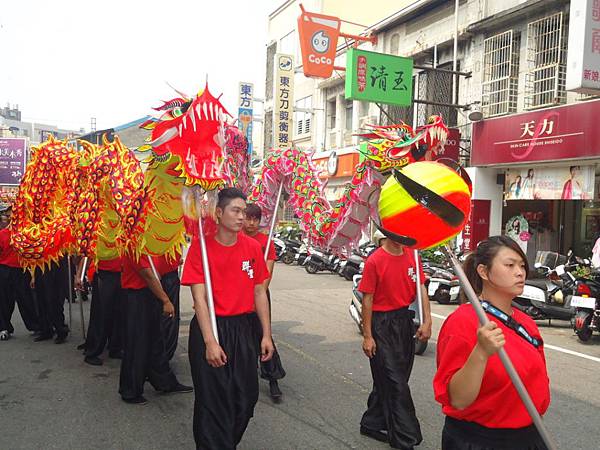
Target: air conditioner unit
(366, 120)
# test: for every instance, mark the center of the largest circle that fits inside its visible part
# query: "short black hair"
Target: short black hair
(253, 211)
(227, 195)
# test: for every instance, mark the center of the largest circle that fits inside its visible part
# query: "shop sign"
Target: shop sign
(245, 111)
(550, 183)
(335, 165)
(318, 35)
(13, 159)
(8, 195)
(583, 57)
(555, 134)
(283, 99)
(377, 77)
(477, 227)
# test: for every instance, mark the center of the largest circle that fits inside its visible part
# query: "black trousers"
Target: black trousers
(170, 326)
(50, 293)
(106, 314)
(15, 288)
(225, 397)
(144, 346)
(271, 370)
(461, 435)
(390, 405)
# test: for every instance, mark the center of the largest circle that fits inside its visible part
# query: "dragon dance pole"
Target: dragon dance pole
(83, 269)
(506, 362)
(207, 281)
(419, 293)
(70, 292)
(273, 220)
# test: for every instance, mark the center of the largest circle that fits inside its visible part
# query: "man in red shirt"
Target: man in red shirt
(14, 286)
(144, 347)
(224, 371)
(271, 370)
(389, 287)
(167, 268)
(106, 317)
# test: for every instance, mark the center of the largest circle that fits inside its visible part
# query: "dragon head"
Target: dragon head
(194, 131)
(395, 146)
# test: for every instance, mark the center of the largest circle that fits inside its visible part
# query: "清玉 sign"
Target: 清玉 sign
(380, 78)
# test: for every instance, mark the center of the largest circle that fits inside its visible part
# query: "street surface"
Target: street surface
(51, 399)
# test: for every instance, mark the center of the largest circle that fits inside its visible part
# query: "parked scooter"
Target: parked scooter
(550, 298)
(356, 314)
(355, 263)
(318, 261)
(587, 307)
(443, 286)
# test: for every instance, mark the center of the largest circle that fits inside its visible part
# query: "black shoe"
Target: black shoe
(93, 360)
(274, 390)
(82, 346)
(61, 339)
(141, 400)
(43, 337)
(380, 436)
(180, 389)
(116, 355)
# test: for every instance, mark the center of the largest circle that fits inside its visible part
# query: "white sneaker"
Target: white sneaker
(4, 335)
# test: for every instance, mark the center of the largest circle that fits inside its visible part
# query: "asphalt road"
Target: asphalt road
(51, 399)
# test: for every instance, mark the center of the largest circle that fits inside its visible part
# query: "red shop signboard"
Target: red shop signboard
(477, 227)
(566, 132)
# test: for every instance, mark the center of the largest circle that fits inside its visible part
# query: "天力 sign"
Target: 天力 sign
(283, 101)
(380, 78)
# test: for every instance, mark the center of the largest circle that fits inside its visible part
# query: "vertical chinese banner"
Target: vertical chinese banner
(283, 101)
(477, 227)
(583, 57)
(246, 112)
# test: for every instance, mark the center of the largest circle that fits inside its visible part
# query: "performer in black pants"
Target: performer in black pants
(225, 371)
(50, 292)
(271, 370)
(106, 317)
(14, 287)
(168, 270)
(144, 347)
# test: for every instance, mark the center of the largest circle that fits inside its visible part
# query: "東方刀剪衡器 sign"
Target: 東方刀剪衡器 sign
(283, 101)
(380, 78)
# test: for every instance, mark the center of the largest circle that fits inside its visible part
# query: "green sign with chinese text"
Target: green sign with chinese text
(376, 77)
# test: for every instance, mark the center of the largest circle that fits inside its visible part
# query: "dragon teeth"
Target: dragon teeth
(205, 108)
(193, 121)
(184, 122)
(199, 112)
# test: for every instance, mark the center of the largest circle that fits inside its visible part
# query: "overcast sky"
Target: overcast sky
(64, 62)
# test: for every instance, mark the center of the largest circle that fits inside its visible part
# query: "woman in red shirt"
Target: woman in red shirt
(483, 409)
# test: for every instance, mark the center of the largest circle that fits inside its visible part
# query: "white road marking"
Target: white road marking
(548, 346)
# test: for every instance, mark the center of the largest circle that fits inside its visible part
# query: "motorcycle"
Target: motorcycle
(356, 314)
(443, 286)
(318, 261)
(356, 262)
(550, 298)
(587, 308)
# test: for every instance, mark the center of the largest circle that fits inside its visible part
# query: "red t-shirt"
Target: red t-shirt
(498, 404)
(111, 265)
(8, 256)
(234, 271)
(165, 264)
(391, 279)
(130, 278)
(262, 239)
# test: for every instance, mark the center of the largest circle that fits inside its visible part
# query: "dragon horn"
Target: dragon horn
(165, 137)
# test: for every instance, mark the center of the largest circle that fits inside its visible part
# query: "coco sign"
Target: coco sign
(318, 41)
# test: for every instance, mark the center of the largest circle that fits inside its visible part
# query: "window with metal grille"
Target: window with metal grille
(500, 74)
(303, 117)
(546, 57)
